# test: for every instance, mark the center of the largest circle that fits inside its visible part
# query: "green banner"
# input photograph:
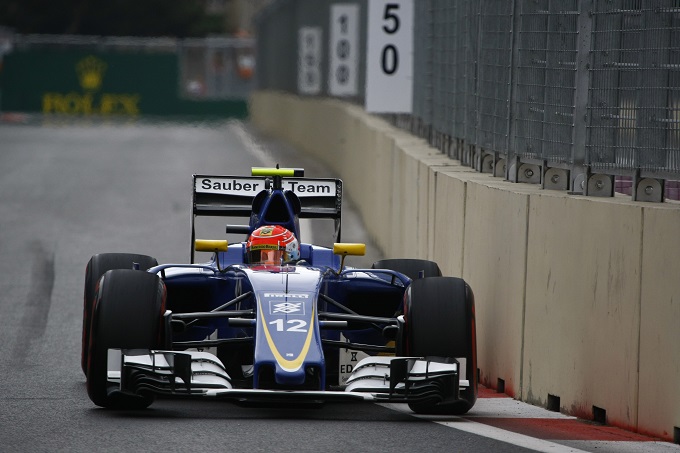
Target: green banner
(78, 82)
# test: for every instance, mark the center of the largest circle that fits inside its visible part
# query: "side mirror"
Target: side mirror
(211, 245)
(345, 248)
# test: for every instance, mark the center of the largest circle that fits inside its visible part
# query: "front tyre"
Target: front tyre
(96, 267)
(127, 314)
(440, 322)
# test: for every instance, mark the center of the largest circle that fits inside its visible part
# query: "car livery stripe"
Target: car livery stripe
(288, 365)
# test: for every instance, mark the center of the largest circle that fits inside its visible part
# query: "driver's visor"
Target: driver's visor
(266, 256)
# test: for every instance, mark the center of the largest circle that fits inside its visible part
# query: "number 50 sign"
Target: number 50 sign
(389, 56)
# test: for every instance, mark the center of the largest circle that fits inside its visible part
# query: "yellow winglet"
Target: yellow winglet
(211, 245)
(347, 248)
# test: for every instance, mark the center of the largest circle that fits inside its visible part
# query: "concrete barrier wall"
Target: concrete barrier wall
(582, 305)
(578, 299)
(659, 380)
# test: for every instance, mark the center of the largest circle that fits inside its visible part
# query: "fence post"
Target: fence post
(512, 162)
(581, 120)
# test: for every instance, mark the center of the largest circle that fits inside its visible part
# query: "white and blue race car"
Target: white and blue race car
(233, 330)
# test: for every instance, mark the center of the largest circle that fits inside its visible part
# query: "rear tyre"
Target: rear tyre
(440, 322)
(127, 314)
(96, 267)
(410, 267)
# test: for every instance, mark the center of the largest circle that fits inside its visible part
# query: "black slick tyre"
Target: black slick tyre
(440, 323)
(127, 314)
(96, 267)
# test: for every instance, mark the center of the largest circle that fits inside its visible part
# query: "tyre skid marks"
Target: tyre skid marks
(38, 301)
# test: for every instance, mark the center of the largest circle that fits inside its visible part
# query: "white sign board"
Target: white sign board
(309, 60)
(389, 56)
(228, 185)
(344, 49)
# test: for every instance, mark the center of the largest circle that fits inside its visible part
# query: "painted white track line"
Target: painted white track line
(262, 155)
(571, 434)
(490, 432)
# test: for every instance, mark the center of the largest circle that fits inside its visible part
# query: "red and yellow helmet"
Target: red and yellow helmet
(272, 245)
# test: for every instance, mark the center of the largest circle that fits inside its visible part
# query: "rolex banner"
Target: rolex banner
(92, 96)
(100, 83)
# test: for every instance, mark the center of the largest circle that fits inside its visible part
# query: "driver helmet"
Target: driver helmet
(272, 245)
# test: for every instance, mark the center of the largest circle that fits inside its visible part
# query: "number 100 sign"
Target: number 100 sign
(344, 49)
(389, 56)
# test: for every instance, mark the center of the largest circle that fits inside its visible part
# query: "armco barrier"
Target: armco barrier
(578, 299)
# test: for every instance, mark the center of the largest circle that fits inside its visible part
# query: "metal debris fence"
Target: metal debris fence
(212, 68)
(575, 95)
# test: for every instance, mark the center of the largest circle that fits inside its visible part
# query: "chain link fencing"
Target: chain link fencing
(575, 95)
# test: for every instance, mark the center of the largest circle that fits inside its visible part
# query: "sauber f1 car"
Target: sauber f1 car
(240, 329)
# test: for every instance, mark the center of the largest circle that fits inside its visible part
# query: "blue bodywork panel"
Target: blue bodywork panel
(279, 335)
(285, 300)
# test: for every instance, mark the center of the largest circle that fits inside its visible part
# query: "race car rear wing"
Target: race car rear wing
(232, 196)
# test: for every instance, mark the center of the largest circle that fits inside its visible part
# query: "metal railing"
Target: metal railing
(576, 95)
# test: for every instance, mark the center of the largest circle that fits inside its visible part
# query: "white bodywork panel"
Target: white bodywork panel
(373, 373)
(370, 377)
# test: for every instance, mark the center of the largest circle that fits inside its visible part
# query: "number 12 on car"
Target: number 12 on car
(389, 56)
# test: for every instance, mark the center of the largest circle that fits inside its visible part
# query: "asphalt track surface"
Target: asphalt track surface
(71, 189)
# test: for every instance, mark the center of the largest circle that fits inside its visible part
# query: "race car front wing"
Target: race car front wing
(201, 374)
